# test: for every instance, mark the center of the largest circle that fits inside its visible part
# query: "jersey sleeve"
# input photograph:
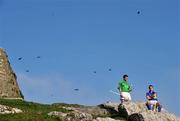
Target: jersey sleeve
(147, 94)
(130, 88)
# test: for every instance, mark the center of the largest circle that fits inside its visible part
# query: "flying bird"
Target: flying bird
(95, 72)
(27, 70)
(20, 58)
(38, 57)
(110, 69)
(138, 12)
(76, 89)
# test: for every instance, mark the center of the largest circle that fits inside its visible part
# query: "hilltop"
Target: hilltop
(20, 110)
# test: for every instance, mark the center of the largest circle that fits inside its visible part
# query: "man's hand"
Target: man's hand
(148, 97)
(130, 88)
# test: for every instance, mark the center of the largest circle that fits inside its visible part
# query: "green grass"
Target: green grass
(35, 111)
(31, 111)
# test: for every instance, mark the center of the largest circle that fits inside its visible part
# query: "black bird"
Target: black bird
(138, 12)
(38, 57)
(95, 72)
(20, 58)
(27, 70)
(110, 70)
(76, 89)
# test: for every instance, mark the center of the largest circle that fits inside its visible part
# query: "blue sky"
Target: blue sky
(76, 37)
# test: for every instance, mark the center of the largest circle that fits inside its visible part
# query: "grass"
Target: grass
(35, 111)
(31, 111)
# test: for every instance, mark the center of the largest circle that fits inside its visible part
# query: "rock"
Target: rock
(8, 81)
(9, 110)
(155, 116)
(136, 117)
(130, 107)
(109, 111)
(72, 116)
(69, 108)
(140, 108)
(15, 110)
(106, 119)
(57, 114)
(93, 110)
(78, 116)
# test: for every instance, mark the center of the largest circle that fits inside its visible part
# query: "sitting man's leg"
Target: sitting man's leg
(158, 106)
(152, 104)
(148, 106)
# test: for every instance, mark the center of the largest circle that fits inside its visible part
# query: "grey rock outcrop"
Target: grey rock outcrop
(110, 112)
(106, 119)
(8, 81)
(140, 108)
(9, 110)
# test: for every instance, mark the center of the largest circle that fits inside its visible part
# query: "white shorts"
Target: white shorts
(125, 96)
(152, 102)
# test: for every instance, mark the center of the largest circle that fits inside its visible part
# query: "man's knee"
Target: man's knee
(159, 107)
(148, 105)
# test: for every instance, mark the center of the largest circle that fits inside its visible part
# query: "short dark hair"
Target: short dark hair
(124, 76)
(150, 86)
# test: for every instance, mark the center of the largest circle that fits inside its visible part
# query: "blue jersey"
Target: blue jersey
(152, 95)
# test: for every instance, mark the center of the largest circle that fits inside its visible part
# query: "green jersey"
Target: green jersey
(124, 86)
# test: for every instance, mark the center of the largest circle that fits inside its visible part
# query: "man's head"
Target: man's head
(125, 77)
(151, 88)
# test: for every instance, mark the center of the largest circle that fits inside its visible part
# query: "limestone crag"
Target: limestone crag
(8, 81)
(132, 111)
(140, 108)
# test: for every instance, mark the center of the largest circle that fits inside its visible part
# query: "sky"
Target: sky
(74, 38)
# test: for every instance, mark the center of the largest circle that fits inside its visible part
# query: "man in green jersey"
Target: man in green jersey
(124, 89)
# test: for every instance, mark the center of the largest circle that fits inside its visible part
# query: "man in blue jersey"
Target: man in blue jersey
(152, 103)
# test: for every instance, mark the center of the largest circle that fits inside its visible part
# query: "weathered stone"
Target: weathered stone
(72, 116)
(140, 107)
(78, 116)
(60, 115)
(95, 111)
(109, 110)
(106, 119)
(9, 110)
(8, 81)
